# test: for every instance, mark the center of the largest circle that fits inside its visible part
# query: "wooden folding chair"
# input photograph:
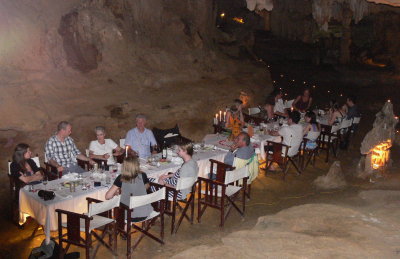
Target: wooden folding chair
(218, 169)
(278, 153)
(222, 195)
(253, 169)
(329, 140)
(127, 226)
(99, 217)
(85, 165)
(174, 203)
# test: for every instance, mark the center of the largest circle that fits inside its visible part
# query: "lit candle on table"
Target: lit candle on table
(291, 109)
(126, 151)
(220, 115)
(216, 119)
(224, 116)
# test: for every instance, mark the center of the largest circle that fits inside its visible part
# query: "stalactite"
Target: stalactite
(260, 5)
(324, 10)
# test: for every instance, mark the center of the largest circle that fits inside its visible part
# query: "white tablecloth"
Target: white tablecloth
(202, 157)
(44, 211)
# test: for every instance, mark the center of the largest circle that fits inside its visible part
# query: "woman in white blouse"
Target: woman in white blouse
(103, 148)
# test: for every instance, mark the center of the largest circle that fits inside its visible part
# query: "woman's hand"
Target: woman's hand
(106, 156)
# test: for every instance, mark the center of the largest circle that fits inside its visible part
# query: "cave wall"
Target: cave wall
(100, 62)
(373, 33)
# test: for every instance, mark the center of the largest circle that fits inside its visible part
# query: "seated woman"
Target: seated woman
(23, 168)
(102, 148)
(235, 121)
(131, 181)
(303, 102)
(313, 126)
(272, 106)
(234, 112)
(337, 115)
(188, 169)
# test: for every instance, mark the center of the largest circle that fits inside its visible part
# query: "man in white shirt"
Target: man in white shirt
(292, 134)
(140, 139)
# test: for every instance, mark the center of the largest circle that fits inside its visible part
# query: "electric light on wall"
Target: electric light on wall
(222, 15)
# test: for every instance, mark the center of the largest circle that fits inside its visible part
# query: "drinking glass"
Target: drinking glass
(44, 182)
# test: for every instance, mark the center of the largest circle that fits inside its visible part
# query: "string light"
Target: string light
(222, 15)
(304, 82)
(292, 80)
(313, 86)
(282, 76)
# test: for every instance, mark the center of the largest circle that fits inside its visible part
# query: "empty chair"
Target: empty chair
(99, 217)
(223, 195)
(329, 139)
(127, 225)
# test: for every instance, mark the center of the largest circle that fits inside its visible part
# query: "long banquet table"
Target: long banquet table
(44, 211)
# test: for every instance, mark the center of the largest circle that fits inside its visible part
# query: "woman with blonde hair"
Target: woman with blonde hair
(131, 182)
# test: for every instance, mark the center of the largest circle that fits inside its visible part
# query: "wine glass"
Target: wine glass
(44, 182)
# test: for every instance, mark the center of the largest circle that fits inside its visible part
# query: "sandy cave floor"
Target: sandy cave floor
(270, 195)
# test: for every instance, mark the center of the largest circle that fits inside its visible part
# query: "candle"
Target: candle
(216, 119)
(126, 151)
(224, 116)
(220, 115)
(291, 109)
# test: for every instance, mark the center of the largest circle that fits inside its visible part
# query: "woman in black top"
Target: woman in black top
(23, 168)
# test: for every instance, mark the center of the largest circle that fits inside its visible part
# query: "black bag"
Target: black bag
(50, 251)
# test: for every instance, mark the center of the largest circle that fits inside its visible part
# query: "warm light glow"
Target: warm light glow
(222, 15)
(281, 75)
(313, 86)
(388, 100)
(238, 20)
(380, 154)
(293, 80)
(329, 91)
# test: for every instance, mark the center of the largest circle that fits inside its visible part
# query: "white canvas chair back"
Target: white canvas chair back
(288, 104)
(312, 135)
(36, 160)
(233, 176)
(122, 142)
(97, 208)
(356, 120)
(335, 128)
(185, 183)
(346, 123)
(252, 166)
(137, 201)
(254, 110)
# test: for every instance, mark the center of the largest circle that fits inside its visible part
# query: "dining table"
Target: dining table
(74, 199)
(66, 197)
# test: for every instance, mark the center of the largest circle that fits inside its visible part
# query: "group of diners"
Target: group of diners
(274, 106)
(62, 153)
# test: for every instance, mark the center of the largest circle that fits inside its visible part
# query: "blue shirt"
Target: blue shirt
(140, 142)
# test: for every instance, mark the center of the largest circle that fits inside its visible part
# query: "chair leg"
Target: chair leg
(173, 215)
(128, 244)
(327, 152)
(222, 212)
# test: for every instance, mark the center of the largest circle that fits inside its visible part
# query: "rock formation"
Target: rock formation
(317, 231)
(99, 62)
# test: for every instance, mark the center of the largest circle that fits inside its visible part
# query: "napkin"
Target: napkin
(170, 135)
(63, 195)
(70, 176)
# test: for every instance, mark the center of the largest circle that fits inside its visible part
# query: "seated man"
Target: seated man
(240, 149)
(61, 150)
(292, 134)
(140, 139)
